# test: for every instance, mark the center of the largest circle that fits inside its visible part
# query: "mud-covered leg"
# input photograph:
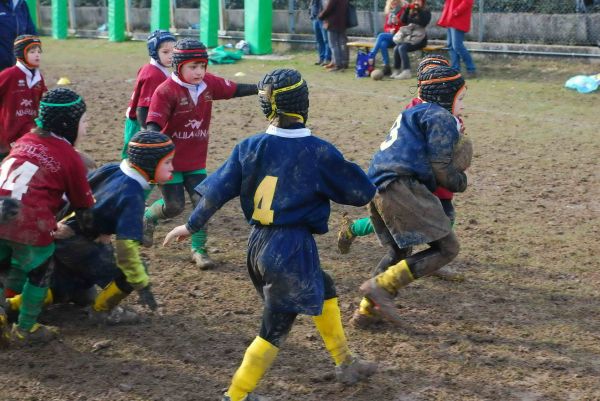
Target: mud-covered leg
(382, 289)
(260, 355)
(171, 205)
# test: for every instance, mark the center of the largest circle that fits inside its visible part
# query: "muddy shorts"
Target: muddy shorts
(284, 266)
(405, 212)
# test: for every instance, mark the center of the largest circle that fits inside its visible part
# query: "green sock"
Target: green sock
(31, 305)
(362, 227)
(199, 241)
(16, 278)
(155, 211)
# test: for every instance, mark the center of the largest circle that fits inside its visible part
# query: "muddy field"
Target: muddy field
(523, 326)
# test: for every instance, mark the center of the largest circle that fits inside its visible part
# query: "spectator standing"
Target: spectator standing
(323, 50)
(334, 17)
(14, 21)
(456, 17)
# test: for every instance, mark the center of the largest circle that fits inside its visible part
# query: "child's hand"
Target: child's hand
(103, 239)
(179, 233)
(63, 231)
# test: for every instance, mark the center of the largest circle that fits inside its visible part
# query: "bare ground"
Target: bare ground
(523, 326)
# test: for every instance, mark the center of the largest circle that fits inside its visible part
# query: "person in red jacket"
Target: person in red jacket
(456, 16)
(21, 88)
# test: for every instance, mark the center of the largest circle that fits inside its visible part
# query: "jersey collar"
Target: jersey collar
(31, 79)
(195, 90)
(288, 133)
(133, 174)
(161, 67)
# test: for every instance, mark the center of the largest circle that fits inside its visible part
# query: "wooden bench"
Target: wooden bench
(366, 46)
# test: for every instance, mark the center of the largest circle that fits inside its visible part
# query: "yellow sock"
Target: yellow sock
(366, 307)
(14, 303)
(395, 277)
(108, 298)
(258, 358)
(329, 324)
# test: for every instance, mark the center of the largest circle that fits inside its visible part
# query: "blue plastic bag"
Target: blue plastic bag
(362, 64)
(583, 83)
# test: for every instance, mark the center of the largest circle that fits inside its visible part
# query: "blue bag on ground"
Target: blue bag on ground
(362, 64)
(583, 83)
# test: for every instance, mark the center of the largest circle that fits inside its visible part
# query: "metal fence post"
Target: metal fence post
(291, 12)
(481, 27)
(375, 17)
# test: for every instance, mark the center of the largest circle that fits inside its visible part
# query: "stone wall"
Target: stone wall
(567, 29)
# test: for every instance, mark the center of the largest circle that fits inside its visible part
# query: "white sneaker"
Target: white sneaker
(405, 74)
(395, 73)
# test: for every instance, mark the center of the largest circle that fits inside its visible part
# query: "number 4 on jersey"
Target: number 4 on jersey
(18, 180)
(263, 199)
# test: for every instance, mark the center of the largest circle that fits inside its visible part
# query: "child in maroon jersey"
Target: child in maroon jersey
(160, 47)
(21, 88)
(40, 169)
(181, 107)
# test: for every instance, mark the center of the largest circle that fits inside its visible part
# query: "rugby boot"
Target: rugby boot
(382, 289)
(387, 70)
(345, 236)
(117, 316)
(365, 316)
(354, 370)
(37, 334)
(448, 274)
(202, 260)
(249, 397)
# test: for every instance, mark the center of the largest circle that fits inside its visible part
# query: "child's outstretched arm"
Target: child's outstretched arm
(216, 190)
(242, 90)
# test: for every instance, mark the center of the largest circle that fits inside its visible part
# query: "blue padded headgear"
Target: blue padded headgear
(156, 39)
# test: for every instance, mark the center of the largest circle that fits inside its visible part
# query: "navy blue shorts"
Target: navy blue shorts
(284, 266)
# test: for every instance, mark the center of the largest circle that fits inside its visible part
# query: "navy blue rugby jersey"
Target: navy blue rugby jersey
(119, 193)
(421, 135)
(284, 177)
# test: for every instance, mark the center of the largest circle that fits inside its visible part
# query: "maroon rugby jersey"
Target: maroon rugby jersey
(20, 94)
(185, 121)
(38, 171)
(149, 77)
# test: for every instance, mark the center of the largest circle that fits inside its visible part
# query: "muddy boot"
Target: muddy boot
(361, 321)
(365, 315)
(149, 227)
(383, 300)
(249, 397)
(354, 370)
(345, 236)
(117, 316)
(387, 70)
(203, 261)
(448, 274)
(38, 334)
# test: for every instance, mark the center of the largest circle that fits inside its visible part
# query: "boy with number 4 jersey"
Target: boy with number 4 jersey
(285, 178)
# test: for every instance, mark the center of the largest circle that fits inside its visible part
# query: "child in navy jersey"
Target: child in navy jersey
(285, 179)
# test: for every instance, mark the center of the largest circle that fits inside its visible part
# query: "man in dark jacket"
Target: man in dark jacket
(14, 21)
(334, 18)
